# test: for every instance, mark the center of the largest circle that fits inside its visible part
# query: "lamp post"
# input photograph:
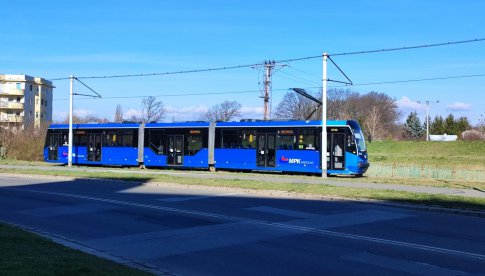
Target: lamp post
(324, 116)
(69, 151)
(427, 117)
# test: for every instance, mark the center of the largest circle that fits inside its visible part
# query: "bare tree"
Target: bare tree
(376, 112)
(119, 114)
(152, 110)
(295, 107)
(380, 115)
(223, 112)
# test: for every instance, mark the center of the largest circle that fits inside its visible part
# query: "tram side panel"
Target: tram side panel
(183, 147)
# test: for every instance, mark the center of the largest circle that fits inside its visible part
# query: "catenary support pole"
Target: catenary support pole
(69, 152)
(324, 117)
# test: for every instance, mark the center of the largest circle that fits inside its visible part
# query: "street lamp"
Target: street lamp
(324, 116)
(427, 116)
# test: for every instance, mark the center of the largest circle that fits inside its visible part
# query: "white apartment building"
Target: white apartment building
(25, 101)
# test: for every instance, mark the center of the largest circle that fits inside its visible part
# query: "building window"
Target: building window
(45, 102)
(18, 85)
(18, 99)
(30, 87)
(36, 114)
(30, 114)
(30, 101)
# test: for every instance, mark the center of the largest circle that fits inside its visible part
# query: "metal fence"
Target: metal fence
(423, 172)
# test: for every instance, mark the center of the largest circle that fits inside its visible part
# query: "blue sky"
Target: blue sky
(54, 39)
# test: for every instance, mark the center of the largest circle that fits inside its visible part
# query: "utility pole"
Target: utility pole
(266, 92)
(268, 66)
(324, 116)
(427, 117)
(69, 151)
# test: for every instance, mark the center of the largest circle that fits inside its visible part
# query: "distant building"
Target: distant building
(25, 101)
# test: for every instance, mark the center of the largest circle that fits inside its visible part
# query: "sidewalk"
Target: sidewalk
(274, 178)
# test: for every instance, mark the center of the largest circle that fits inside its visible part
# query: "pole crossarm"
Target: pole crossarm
(92, 90)
(335, 64)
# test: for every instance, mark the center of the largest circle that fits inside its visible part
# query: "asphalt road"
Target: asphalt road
(212, 232)
(279, 178)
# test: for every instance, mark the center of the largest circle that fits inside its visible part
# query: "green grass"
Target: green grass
(312, 189)
(23, 253)
(465, 155)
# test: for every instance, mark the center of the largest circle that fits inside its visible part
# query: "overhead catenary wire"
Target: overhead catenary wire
(278, 61)
(285, 89)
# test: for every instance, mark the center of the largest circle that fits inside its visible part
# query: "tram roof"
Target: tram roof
(281, 123)
(94, 126)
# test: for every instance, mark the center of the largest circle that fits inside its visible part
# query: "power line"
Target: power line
(410, 47)
(414, 80)
(285, 89)
(182, 94)
(278, 61)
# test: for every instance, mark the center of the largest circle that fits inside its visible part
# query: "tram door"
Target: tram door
(336, 149)
(54, 139)
(175, 150)
(94, 146)
(266, 153)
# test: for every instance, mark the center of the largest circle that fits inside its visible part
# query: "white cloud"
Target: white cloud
(407, 104)
(59, 116)
(458, 106)
(130, 113)
(84, 112)
(186, 113)
(252, 112)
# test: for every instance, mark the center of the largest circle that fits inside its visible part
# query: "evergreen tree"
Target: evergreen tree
(450, 125)
(461, 125)
(413, 126)
(437, 127)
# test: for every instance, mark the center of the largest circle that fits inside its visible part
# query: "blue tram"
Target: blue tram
(287, 146)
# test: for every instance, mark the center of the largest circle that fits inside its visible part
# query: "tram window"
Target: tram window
(306, 139)
(286, 142)
(156, 139)
(230, 139)
(110, 138)
(64, 138)
(80, 138)
(193, 144)
(248, 139)
(127, 138)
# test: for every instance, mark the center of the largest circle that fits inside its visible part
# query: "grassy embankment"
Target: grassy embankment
(23, 253)
(460, 155)
(445, 164)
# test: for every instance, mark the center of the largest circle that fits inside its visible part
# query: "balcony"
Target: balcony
(11, 92)
(11, 105)
(11, 118)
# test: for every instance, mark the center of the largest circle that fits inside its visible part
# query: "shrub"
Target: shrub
(26, 144)
(472, 135)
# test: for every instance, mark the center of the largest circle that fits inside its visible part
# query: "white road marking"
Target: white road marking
(267, 223)
(415, 268)
(188, 198)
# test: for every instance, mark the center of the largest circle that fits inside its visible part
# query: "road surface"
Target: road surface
(187, 231)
